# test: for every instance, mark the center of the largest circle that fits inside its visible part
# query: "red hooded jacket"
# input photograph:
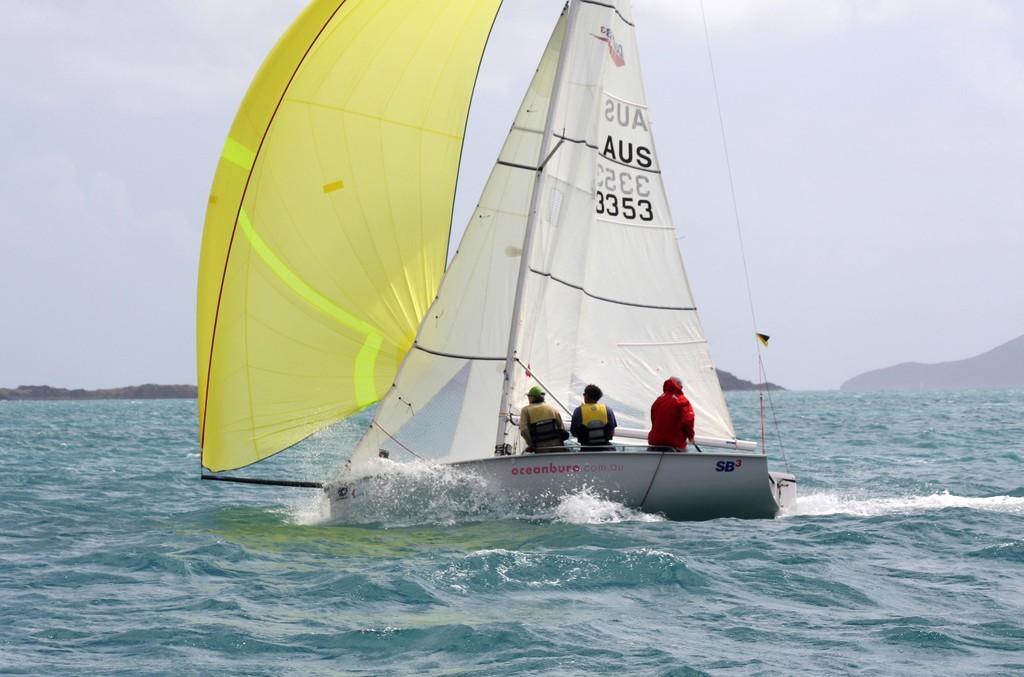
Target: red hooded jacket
(671, 417)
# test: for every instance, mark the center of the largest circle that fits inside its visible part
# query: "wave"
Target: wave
(827, 503)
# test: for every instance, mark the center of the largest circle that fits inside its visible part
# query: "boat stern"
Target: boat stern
(783, 487)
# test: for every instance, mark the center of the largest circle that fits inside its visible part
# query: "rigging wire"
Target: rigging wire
(728, 166)
(763, 385)
(392, 437)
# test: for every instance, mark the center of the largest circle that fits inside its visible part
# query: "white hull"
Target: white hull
(680, 486)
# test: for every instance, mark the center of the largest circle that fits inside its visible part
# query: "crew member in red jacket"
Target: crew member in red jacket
(671, 417)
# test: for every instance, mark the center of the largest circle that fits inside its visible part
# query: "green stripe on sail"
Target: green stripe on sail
(237, 154)
(363, 374)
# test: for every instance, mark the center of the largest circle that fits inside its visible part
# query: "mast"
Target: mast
(504, 414)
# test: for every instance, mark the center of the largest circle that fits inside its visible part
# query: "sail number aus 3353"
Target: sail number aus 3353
(623, 193)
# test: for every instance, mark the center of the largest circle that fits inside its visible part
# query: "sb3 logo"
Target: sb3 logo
(728, 466)
(343, 492)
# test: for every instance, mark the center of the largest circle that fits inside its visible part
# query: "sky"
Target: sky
(855, 190)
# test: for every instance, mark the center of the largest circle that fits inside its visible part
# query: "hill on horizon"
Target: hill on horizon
(147, 391)
(730, 382)
(150, 391)
(1001, 367)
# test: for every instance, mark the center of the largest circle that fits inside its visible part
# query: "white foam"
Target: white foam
(586, 508)
(826, 503)
(405, 494)
(313, 509)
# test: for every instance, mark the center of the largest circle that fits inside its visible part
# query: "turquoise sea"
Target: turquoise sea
(905, 556)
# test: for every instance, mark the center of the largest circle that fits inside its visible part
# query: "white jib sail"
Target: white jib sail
(605, 299)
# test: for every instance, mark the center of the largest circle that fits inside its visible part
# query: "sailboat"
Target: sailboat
(324, 288)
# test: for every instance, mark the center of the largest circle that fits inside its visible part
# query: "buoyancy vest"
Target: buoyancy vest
(595, 418)
(540, 422)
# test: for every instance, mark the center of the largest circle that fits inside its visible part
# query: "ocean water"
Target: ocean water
(904, 556)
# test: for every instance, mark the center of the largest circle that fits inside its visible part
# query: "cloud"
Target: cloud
(82, 217)
(785, 19)
(866, 136)
(102, 285)
(135, 57)
(981, 38)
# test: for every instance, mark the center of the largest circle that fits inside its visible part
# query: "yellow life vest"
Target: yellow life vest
(594, 418)
(540, 421)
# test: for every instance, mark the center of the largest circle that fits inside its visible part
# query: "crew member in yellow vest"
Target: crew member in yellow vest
(541, 424)
(593, 424)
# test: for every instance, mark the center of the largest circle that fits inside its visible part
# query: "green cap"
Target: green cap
(535, 391)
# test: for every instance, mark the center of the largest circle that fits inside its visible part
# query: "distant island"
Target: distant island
(730, 382)
(1001, 367)
(150, 391)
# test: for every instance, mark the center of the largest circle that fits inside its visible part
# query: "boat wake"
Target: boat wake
(826, 503)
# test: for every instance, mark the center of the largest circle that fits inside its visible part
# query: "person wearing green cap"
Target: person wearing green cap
(541, 425)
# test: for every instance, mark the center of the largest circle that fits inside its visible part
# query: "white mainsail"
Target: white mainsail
(604, 298)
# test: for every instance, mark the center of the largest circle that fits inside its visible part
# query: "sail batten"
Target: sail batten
(606, 299)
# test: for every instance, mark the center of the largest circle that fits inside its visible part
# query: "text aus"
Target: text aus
(623, 181)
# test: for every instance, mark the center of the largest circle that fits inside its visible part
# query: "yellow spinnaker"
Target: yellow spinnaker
(327, 226)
